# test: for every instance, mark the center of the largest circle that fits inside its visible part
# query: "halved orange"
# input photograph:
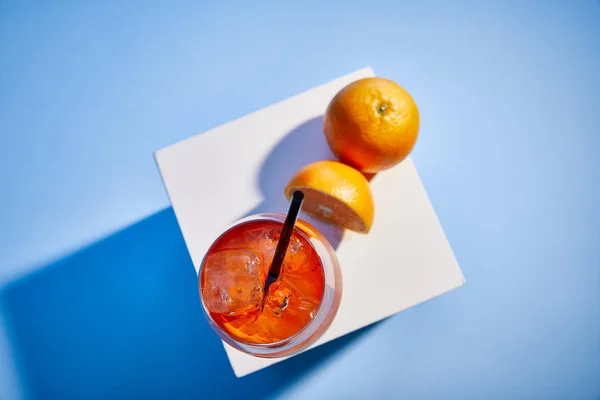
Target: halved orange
(336, 193)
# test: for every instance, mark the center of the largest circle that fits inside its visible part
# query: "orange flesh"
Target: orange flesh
(292, 301)
(324, 206)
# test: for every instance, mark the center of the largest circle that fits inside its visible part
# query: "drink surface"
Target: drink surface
(232, 283)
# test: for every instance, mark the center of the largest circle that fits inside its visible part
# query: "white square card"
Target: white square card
(241, 168)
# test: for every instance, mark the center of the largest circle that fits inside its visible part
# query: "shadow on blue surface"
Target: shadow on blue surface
(122, 319)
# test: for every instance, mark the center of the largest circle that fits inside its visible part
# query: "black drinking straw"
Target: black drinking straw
(284, 239)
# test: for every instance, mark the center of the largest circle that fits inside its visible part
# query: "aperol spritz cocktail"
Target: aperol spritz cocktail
(295, 310)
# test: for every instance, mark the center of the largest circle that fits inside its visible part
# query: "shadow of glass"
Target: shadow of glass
(303, 145)
(122, 319)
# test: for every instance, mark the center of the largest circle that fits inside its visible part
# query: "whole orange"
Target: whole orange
(372, 124)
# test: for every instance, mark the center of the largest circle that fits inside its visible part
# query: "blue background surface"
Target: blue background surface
(97, 293)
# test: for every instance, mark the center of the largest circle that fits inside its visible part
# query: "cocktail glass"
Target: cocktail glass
(297, 309)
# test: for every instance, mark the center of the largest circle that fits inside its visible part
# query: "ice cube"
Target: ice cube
(278, 297)
(296, 245)
(265, 240)
(286, 310)
(296, 257)
(233, 281)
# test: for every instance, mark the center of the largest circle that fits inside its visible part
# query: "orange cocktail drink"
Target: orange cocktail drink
(295, 310)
